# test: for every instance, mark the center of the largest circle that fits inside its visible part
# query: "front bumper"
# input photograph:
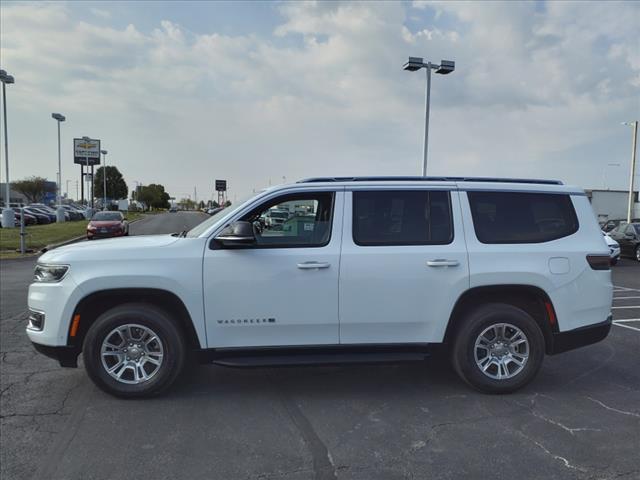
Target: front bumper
(580, 337)
(67, 356)
(110, 234)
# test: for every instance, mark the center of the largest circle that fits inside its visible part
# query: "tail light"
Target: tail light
(599, 262)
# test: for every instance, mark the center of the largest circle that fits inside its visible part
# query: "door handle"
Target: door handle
(440, 262)
(312, 265)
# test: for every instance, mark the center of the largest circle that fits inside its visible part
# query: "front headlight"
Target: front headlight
(49, 273)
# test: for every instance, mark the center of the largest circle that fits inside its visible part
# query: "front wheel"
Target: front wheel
(638, 253)
(498, 349)
(134, 350)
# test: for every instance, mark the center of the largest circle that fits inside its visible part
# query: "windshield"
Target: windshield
(107, 217)
(279, 215)
(204, 226)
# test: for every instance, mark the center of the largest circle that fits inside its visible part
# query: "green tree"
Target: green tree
(153, 196)
(116, 186)
(227, 203)
(34, 188)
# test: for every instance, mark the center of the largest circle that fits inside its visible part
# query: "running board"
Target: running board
(272, 360)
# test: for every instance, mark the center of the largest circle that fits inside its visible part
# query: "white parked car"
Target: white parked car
(614, 248)
(275, 218)
(387, 268)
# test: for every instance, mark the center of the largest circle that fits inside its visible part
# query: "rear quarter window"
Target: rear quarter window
(522, 217)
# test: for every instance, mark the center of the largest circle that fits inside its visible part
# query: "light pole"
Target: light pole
(104, 179)
(59, 118)
(632, 174)
(414, 64)
(8, 217)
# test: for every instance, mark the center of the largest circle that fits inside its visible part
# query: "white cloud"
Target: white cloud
(532, 91)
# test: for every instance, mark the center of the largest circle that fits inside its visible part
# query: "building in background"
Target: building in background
(612, 204)
(19, 199)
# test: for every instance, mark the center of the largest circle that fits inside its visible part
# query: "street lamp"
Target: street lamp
(632, 174)
(59, 118)
(104, 179)
(8, 217)
(413, 65)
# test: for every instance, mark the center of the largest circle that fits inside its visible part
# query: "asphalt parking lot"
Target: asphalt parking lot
(579, 419)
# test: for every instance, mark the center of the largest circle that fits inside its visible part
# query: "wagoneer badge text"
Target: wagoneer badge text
(247, 321)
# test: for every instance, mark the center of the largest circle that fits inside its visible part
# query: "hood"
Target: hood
(116, 248)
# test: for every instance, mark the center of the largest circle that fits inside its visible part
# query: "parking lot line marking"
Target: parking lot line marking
(627, 289)
(623, 298)
(626, 306)
(628, 320)
(626, 326)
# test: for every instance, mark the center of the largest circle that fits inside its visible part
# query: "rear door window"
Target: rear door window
(402, 217)
(522, 217)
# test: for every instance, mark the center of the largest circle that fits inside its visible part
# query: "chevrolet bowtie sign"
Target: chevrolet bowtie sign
(86, 152)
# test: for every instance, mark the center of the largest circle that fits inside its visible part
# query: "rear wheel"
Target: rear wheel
(134, 350)
(638, 253)
(498, 349)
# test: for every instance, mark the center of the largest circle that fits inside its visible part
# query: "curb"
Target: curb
(73, 240)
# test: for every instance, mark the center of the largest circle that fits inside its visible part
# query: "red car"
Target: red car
(106, 225)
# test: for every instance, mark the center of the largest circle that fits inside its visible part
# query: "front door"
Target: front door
(284, 289)
(403, 266)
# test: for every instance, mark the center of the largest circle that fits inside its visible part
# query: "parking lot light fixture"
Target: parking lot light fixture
(60, 213)
(8, 216)
(104, 179)
(632, 173)
(444, 68)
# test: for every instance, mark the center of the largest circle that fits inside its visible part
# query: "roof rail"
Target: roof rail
(429, 179)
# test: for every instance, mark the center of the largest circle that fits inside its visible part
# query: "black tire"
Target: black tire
(614, 261)
(464, 350)
(638, 253)
(148, 316)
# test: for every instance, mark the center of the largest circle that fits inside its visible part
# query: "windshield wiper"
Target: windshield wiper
(181, 234)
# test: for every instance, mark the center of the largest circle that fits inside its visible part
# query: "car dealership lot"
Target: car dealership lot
(579, 419)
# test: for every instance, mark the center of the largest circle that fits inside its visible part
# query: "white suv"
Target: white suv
(378, 269)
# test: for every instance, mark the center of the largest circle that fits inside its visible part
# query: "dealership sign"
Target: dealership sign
(86, 152)
(221, 185)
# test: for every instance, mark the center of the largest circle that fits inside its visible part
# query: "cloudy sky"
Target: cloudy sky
(184, 93)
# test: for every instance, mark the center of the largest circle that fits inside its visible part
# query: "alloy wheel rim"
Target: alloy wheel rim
(132, 354)
(501, 351)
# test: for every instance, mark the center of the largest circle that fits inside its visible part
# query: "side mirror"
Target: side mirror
(238, 234)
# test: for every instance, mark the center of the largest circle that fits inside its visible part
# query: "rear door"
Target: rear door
(403, 264)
